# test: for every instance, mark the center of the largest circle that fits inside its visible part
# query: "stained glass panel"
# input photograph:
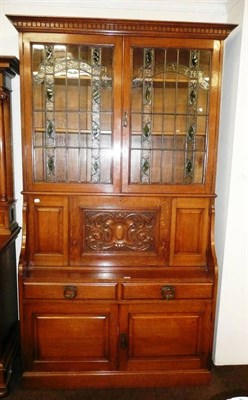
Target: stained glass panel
(169, 115)
(73, 113)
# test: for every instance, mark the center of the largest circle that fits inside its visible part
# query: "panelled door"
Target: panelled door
(60, 336)
(169, 335)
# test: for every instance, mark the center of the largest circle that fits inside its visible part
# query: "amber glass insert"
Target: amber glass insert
(169, 115)
(73, 113)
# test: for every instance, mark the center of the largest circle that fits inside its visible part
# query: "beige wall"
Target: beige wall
(231, 340)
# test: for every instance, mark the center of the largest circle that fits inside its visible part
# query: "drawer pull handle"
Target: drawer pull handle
(70, 292)
(168, 292)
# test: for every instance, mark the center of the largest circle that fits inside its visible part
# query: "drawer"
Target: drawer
(169, 291)
(80, 291)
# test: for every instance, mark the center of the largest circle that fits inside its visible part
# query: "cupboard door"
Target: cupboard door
(172, 335)
(170, 122)
(48, 230)
(62, 336)
(72, 121)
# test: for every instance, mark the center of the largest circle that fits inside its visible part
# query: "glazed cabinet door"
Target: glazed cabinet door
(60, 336)
(72, 112)
(169, 335)
(170, 114)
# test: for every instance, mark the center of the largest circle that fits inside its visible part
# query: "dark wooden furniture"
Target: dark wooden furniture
(118, 273)
(9, 229)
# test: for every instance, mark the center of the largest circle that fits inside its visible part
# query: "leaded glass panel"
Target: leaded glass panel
(169, 115)
(73, 113)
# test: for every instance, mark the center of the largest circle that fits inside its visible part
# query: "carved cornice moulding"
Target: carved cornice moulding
(118, 26)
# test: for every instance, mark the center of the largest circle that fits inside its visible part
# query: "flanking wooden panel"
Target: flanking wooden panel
(189, 231)
(49, 230)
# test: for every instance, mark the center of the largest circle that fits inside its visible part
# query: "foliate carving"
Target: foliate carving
(120, 230)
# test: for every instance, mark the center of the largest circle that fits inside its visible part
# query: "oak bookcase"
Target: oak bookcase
(118, 272)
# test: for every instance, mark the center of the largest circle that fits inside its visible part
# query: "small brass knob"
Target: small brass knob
(168, 292)
(70, 292)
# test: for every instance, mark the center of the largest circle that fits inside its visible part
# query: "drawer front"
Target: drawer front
(67, 291)
(167, 291)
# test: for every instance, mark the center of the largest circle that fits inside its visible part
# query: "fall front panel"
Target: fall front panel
(118, 231)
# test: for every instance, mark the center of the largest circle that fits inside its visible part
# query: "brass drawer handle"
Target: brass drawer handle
(70, 292)
(168, 292)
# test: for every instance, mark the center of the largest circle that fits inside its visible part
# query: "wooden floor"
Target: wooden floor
(227, 382)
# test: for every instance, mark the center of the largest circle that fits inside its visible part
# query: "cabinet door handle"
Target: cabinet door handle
(168, 292)
(70, 292)
(125, 120)
(123, 341)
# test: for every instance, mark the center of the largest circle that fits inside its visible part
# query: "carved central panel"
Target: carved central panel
(120, 230)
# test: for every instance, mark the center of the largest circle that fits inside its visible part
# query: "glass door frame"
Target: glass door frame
(208, 185)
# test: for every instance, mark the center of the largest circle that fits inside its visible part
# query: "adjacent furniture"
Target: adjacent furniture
(118, 274)
(9, 229)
